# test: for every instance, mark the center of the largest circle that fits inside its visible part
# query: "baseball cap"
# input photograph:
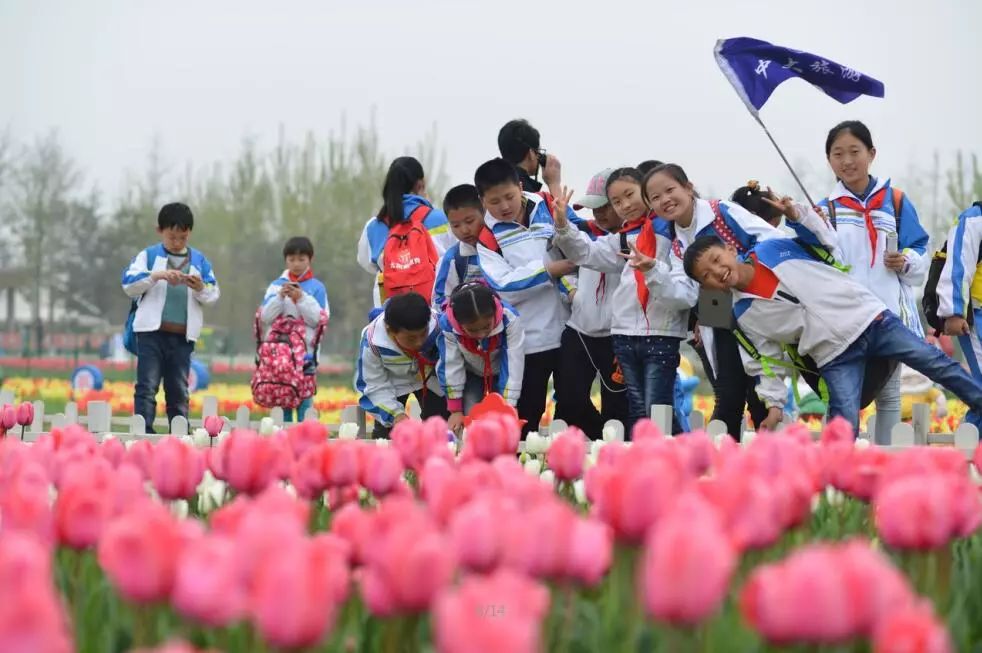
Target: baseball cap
(596, 191)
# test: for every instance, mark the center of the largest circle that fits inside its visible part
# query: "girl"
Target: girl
(646, 328)
(482, 350)
(668, 192)
(403, 192)
(869, 214)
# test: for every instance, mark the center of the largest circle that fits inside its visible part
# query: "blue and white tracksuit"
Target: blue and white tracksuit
(459, 257)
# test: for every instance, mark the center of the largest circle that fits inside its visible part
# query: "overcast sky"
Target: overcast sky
(607, 83)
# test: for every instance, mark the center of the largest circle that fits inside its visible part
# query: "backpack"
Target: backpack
(284, 376)
(930, 302)
(409, 257)
(129, 335)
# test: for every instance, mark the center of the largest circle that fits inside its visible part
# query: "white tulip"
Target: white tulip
(266, 426)
(549, 477)
(186, 439)
(200, 438)
(579, 490)
(536, 444)
(595, 447)
(348, 431)
(533, 466)
(610, 434)
(589, 461)
(863, 443)
(179, 508)
(211, 493)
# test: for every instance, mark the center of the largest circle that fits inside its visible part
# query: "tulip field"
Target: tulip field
(296, 541)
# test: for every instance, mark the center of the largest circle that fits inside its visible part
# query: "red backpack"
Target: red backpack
(409, 257)
(280, 378)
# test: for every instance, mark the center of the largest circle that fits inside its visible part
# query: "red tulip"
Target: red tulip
(340, 463)
(25, 414)
(914, 629)
(566, 454)
(250, 462)
(687, 566)
(209, 587)
(489, 614)
(213, 425)
(381, 469)
(176, 469)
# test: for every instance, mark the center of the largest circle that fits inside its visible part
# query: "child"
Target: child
(482, 350)
(668, 191)
(397, 358)
(785, 297)
(867, 213)
(764, 204)
(960, 288)
(459, 264)
(171, 282)
(646, 328)
(404, 200)
(296, 293)
(586, 344)
(518, 143)
(528, 273)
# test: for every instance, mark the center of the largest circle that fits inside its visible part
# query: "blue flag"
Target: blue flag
(756, 68)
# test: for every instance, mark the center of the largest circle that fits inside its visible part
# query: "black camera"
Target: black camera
(541, 155)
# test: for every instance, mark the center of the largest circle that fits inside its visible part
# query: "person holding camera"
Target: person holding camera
(519, 144)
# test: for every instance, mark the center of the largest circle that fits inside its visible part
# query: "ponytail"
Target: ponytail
(402, 177)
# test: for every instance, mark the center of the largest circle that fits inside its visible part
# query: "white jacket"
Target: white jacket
(507, 357)
(666, 314)
(151, 295)
(384, 372)
(816, 307)
(460, 257)
(895, 289)
(960, 284)
(519, 275)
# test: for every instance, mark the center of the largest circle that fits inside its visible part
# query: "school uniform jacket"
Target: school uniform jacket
(447, 273)
(384, 372)
(960, 284)
(739, 227)
(519, 275)
(373, 237)
(815, 306)
(865, 257)
(312, 303)
(152, 295)
(665, 316)
(593, 304)
(507, 359)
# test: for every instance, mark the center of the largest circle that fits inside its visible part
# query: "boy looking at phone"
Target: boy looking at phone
(170, 282)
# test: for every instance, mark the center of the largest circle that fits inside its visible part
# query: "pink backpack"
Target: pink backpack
(279, 379)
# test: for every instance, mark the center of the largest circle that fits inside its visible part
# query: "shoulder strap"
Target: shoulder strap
(460, 265)
(370, 337)
(489, 240)
(796, 366)
(898, 205)
(319, 334)
(723, 229)
(832, 213)
(419, 214)
(625, 249)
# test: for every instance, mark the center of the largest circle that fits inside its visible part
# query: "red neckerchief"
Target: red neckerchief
(422, 362)
(647, 245)
(309, 274)
(873, 203)
(764, 282)
(474, 346)
(602, 284)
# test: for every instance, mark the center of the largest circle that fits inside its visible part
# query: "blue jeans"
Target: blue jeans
(167, 357)
(649, 364)
(301, 410)
(887, 337)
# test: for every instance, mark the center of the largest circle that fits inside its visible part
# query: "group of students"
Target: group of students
(508, 287)
(524, 289)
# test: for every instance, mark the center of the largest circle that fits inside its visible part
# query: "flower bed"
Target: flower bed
(294, 542)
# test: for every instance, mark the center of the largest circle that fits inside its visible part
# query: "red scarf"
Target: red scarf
(309, 274)
(872, 204)
(602, 284)
(421, 364)
(647, 245)
(474, 346)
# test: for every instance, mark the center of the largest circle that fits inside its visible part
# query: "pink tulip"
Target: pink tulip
(81, 512)
(478, 532)
(921, 461)
(339, 463)
(566, 454)
(381, 470)
(31, 614)
(175, 646)
(926, 512)
(250, 462)
(977, 458)
(8, 418)
(632, 495)
(912, 630)
(645, 429)
(25, 414)
(295, 595)
(416, 442)
(823, 594)
(139, 553)
(687, 566)
(747, 505)
(213, 425)
(208, 586)
(591, 551)
(176, 469)
(113, 451)
(489, 614)
(491, 436)
(837, 430)
(24, 503)
(307, 473)
(354, 526)
(306, 435)
(140, 454)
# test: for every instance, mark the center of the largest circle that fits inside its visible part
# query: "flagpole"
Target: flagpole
(783, 158)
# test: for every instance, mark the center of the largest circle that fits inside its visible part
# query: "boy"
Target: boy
(960, 288)
(518, 143)
(171, 282)
(397, 357)
(586, 342)
(296, 293)
(528, 273)
(785, 297)
(459, 264)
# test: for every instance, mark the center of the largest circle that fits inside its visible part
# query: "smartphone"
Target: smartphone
(892, 243)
